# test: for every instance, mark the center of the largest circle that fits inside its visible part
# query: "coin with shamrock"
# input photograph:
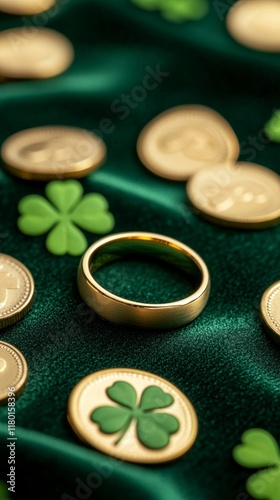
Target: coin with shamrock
(62, 214)
(133, 415)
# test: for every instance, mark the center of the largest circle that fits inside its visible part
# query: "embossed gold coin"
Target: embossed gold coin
(182, 140)
(244, 195)
(270, 310)
(255, 24)
(34, 53)
(25, 7)
(16, 290)
(45, 153)
(132, 415)
(13, 371)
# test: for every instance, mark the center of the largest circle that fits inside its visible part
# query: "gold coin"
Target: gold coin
(25, 7)
(244, 195)
(255, 24)
(16, 290)
(182, 140)
(45, 153)
(132, 415)
(13, 371)
(270, 310)
(34, 53)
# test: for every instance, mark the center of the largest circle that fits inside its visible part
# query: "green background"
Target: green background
(223, 361)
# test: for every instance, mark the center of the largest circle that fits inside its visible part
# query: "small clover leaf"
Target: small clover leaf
(272, 127)
(68, 209)
(153, 397)
(264, 485)
(153, 428)
(122, 393)
(92, 214)
(260, 449)
(176, 10)
(66, 238)
(111, 419)
(38, 216)
(64, 195)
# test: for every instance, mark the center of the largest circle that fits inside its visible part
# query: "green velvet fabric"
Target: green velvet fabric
(222, 361)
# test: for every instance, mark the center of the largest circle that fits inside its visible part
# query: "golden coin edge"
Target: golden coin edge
(20, 386)
(26, 306)
(267, 321)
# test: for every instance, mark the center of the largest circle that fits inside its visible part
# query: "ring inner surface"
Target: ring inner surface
(146, 264)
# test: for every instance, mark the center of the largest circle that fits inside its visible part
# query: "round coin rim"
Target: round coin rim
(25, 307)
(20, 385)
(32, 71)
(140, 145)
(269, 322)
(257, 222)
(15, 168)
(241, 36)
(25, 12)
(78, 427)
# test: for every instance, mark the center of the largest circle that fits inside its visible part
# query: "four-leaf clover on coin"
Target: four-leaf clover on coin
(66, 209)
(259, 449)
(176, 10)
(153, 427)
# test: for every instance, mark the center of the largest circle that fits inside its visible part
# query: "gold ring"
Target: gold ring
(128, 313)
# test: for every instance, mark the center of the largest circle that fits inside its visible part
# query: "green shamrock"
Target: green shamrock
(69, 209)
(272, 127)
(153, 429)
(260, 450)
(3, 491)
(176, 10)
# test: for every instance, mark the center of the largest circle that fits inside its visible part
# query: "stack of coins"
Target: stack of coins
(195, 143)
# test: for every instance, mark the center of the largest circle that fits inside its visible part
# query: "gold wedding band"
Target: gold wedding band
(129, 313)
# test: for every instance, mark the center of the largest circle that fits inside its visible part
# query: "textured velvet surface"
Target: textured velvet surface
(222, 361)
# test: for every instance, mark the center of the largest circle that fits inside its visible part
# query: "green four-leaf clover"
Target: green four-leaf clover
(153, 428)
(176, 10)
(259, 449)
(67, 210)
